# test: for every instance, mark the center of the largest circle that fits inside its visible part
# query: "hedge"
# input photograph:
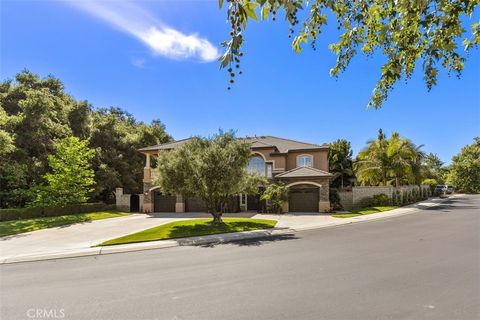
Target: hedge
(29, 213)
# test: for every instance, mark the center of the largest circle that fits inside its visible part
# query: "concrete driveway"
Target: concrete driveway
(77, 236)
(84, 235)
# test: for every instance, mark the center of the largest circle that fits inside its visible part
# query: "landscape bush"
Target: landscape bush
(380, 200)
(334, 198)
(38, 212)
(432, 183)
(405, 198)
(275, 195)
(415, 195)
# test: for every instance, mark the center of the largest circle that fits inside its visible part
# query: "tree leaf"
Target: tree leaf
(250, 10)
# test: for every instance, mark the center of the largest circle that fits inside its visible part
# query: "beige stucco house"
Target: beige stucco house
(302, 166)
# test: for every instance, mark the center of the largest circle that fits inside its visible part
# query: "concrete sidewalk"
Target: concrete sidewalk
(299, 221)
(64, 242)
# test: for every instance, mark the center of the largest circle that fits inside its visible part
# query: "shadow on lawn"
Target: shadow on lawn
(247, 214)
(254, 242)
(263, 236)
(183, 231)
(17, 228)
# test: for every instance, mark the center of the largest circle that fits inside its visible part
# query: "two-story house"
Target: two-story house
(303, 167)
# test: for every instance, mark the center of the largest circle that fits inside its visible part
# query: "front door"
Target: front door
(134, 203)
(253, 202)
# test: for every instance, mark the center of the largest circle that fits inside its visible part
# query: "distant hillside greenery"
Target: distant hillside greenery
(36, 113)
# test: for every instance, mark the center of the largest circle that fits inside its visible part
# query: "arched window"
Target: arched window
(257, 164)
(305, 160)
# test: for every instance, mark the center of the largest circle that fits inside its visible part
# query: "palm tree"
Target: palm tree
(384, 161)
(340, 162)
(417, 164)
(372, 162)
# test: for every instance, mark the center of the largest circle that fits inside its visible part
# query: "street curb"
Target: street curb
(205, 240)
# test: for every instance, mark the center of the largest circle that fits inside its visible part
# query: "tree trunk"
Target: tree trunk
(217, 217)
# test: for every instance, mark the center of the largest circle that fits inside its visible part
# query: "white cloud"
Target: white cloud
(138, 62)
(161, 39)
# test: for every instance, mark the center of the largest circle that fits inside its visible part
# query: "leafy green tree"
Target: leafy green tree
(6, 139)
(276, 194)
(117, 136)
(432, 183)
(340, 162)
(408, 33)
(434, 168)
(37, 115)
(71, 177)
(212, 169)
(80, 119)
(465, 169)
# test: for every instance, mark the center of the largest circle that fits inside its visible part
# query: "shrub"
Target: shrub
(425, 193)
(275, 195)
(380, 200)
(37, 212)
(432, 183)
(405, 197)
(334, 199)
(394, 198)
(415, 195)
(398, 198)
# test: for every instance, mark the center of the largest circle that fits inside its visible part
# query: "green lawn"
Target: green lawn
(19, 226)
(194, 227)
(364, 211)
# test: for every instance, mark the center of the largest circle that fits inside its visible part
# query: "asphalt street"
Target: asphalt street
(419, 266)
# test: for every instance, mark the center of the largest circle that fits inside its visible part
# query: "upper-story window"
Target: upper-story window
(257, 164)
(269, 170)
(305, 160)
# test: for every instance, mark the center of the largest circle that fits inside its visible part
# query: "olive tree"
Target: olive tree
(431, 34)
(212, 169)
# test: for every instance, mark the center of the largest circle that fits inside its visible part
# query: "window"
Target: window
(269, 170)
(305, 161)
(243, 199)
(257, 164)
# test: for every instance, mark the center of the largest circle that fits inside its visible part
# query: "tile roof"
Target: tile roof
(301, 172)
(281, 144)
(166, 146)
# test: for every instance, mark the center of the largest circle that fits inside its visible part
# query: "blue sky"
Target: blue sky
(156, 59)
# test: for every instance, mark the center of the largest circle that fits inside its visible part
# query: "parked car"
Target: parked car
(440, 189)
(450, 189)
(444, 189)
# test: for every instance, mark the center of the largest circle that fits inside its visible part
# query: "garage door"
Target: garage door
(195, 205)
(164, 203)
(303, 200)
